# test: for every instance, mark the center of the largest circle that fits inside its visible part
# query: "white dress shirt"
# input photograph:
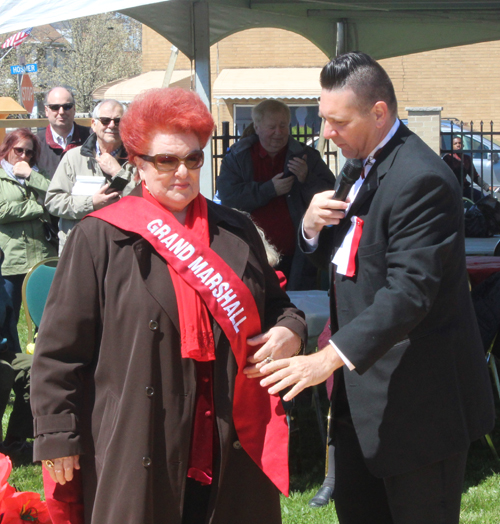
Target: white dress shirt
(58, 139)
(342, 252)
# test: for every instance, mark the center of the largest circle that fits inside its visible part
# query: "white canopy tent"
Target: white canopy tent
(382, 28)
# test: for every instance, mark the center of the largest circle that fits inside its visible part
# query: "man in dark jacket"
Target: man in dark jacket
(412, 386)
(273, 177)
(62, 134)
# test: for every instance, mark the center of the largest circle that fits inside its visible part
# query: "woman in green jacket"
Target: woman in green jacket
(22, 192)
(22, 239)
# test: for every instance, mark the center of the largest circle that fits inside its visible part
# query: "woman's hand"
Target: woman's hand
(61, 469)
(277, 343)
(22, 169)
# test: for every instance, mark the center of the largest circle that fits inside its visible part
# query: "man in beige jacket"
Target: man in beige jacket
(102, 155)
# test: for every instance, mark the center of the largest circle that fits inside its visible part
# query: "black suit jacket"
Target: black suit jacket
(420, 391)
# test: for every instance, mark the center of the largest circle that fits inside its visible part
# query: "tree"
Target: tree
(43, 40)
(81, 54)
(8, 82)
(99, 49)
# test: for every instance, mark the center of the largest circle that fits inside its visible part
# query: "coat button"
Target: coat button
(208, 413)
(146, 462)
(150, 391)
(153, 325)
(236, 444)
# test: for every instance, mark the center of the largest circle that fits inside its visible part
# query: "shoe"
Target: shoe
(322, 497)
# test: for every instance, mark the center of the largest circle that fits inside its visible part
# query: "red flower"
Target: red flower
(19, 507)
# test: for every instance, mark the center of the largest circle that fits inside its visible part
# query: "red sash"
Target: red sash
(258, 417)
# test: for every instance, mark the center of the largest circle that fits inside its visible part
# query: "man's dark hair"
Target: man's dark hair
(361, 73)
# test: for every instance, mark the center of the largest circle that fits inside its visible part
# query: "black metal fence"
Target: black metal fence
(481, 143)
(480, 153)
(308, 136)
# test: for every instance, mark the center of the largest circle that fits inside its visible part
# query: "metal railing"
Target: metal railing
(480, 143)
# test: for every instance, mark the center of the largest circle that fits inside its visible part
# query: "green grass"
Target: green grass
(481, 493)
(480, 500)
(26, 477)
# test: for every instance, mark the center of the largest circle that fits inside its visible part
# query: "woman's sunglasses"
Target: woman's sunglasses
(20, 150)
(166, 162)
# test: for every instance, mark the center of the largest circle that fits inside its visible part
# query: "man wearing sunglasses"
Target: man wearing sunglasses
(102, 155)
(62, 134)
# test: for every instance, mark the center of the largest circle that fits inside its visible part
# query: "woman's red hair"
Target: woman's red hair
(167, 110)
(13, 138)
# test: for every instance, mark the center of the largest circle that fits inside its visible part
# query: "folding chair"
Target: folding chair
(35, 290)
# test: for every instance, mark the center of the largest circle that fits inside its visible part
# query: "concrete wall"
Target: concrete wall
(464, 80)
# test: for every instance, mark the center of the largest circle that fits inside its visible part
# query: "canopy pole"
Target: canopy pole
(341, 49)
(174, 53)
(201, 47)
(341, 37)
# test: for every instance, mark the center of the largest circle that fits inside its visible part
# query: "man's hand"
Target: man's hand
(279, 342)
(300, 372)
(108, 164)
(282, 185)
(22, 169)
(298, 167)
(100, 199)
(323, 211)
(62, 469)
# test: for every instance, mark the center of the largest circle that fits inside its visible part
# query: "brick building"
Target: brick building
(463, 80)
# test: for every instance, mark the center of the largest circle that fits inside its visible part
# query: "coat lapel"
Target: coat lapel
(157, 279)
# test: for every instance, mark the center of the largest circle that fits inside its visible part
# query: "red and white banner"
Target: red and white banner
(17, 39)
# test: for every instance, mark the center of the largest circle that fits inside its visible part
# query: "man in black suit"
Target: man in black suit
(411, 383)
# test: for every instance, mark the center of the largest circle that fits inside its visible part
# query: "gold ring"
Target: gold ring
(268, 360)
(49, 464)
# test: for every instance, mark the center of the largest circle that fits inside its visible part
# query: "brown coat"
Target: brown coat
(108, 381)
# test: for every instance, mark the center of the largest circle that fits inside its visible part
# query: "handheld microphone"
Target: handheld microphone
(350, 173)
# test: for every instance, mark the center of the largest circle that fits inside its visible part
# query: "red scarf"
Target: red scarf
(197, 340)
(258, 417)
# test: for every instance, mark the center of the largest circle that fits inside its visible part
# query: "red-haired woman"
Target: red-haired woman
(22, 239)
(138, 374)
